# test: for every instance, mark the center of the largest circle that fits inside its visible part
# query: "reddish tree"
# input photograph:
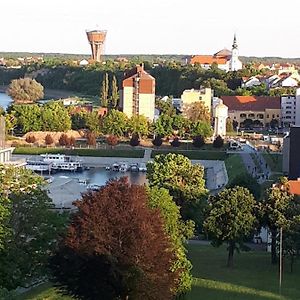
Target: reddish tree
(91, 139)
(116, 248)
(72, 141)
(30, 139)
(63, 140)
(49, 139)
(112, 140)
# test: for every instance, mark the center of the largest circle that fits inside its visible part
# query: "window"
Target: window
(268, 116)
(273, 116)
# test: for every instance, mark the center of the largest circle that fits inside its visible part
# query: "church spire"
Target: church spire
(234, 45)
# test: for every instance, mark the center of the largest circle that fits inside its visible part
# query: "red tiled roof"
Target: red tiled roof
(294, 187)
(207, 60)
(251, 103)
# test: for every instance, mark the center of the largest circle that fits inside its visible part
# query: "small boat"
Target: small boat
(82, 180)
(93, 187)
(115, 167)
(123, 167)
(107, 168)
(142, 167)
(48, 179)
(134, 168)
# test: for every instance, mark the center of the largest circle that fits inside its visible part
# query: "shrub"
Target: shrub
(134, 141)
(112, 140)
(198, 141)
(157, 141)
(71, 141)
(175, 142)
(218, 142)
(49, 139)
(63, 140)
(91, 139)
(30, 139)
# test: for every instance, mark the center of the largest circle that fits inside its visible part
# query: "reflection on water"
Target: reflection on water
(100, 176)
(5, 100)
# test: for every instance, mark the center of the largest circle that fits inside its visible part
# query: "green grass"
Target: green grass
(252, 278)
(274, 161)
(234, 166)
(194, 154)
(135, 153)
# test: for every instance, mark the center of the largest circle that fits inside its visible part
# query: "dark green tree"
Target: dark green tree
(114, 99)
(115, 123)
(231, 218)
(104, 91)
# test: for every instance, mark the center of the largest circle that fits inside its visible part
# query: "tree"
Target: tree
(247, 181)
(91, 139)
(63, 140)
(25, 90)
(104, 91)
(200, 128)
(198, 141)
(72, 141)
(30, 226)
(229, 125)
(248, 124)
(230, 218)
(114, 93)
(197, 111)
(116, 248)
(218, 142)
(92, 121)
(157, 141)
(138, 125)
(134, 141)
(165, 107)
(30, 139)
(49, 139)
(178, 231)
(112, 140)
(183, 180)
(115, 123)
(273, 211)
(163, 125)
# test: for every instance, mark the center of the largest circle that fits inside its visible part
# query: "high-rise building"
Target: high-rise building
(138, 93)
(96, 39)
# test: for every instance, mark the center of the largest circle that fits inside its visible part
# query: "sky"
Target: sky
(263, 28)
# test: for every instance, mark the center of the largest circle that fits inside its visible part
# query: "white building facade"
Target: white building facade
(290, 109)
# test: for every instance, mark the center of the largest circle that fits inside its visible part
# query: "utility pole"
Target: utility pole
(280, 260)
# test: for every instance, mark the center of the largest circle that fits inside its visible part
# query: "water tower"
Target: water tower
(96, 39)
(220, 115)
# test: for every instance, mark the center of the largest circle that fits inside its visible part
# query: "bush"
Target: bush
(63, 140)
(134, 141)
(91, 139)
(198, 141)
(112, 140)
(218, 142)
(157, 141)
(30, 139)
(71, 141)
(49, 139)
(175, 142)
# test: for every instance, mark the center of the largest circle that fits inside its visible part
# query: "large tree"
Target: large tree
(274, 211)
(116, 247)
(114, 98)
(25, 90)
(178, 231)
(231, 218)
(30, 227)
(196, 111)
(183, 180)
(104, 91)
(138, 125)
(115, 123)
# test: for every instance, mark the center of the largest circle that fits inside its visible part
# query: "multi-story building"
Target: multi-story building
(203, 95)
(290, 109)
(260, 109)
(138, 93)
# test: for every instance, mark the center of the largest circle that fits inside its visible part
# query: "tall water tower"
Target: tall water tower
(96, 39)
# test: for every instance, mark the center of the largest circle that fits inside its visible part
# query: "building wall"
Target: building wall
(288, 110)
(147, 105)
(191, 96)
(294, 153)
(127, 99)
(271, 114)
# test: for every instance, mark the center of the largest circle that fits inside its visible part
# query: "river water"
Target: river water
(5, 100)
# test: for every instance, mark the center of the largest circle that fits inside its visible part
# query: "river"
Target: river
(5, 100)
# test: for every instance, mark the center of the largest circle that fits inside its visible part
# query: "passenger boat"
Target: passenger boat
(62, 162)
(38, 165)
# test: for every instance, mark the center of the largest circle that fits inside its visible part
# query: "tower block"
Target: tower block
(96, 39)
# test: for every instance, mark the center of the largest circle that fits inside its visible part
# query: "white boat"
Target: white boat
(123, 167)
(142, 167)
(115, 167)
(63, 162)
(93, 187)
(134, 168)
(38, 165)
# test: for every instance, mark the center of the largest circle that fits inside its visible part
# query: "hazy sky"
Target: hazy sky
(263, 27)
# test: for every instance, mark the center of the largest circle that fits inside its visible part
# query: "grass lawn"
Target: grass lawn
(274, 161)
(194, 154)
(234, 166)
(135, 153)
(252, 278)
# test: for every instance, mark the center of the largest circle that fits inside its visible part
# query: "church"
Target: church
(225, 59)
